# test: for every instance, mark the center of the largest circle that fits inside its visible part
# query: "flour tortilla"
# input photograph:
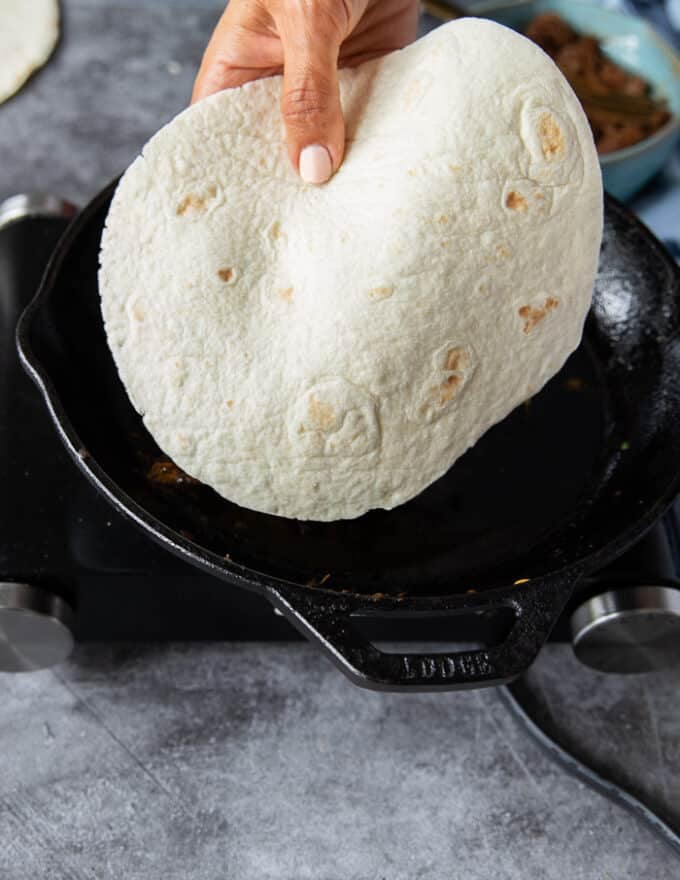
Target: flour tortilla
(315, 352)
(29, 30)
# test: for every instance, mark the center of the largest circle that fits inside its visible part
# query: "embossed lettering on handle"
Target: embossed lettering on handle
(464, 665)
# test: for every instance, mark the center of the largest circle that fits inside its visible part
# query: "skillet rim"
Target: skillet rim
(249, 578)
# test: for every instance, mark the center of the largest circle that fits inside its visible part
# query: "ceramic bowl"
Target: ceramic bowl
(636, 46)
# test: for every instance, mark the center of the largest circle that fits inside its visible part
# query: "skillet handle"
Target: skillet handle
(328, 620)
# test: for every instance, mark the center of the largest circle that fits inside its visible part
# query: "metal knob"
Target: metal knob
(33, 205)
(628, 630)
(35, 628)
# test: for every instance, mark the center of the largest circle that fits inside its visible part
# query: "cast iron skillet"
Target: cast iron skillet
(562, 486)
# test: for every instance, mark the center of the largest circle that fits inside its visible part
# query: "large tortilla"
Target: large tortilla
(29, 30)
(315, 352)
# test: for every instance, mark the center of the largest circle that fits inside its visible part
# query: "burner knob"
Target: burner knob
(35, 628)
(632, 629)
(34, 205)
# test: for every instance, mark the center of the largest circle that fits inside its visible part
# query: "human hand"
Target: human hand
(307, 40)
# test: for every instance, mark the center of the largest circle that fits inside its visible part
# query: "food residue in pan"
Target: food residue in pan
(574, 383)
(318, 582)
(166, 472)
(619, 105)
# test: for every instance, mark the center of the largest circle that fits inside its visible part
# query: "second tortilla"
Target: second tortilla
(29, 31)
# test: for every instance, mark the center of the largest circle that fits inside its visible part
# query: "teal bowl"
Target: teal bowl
(635, 45)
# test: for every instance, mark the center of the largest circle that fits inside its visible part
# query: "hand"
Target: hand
(307, 40)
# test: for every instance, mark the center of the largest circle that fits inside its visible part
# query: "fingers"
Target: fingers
(310, 98)
(384, 28)
(252, 40)
(215, 75)
(240, 50)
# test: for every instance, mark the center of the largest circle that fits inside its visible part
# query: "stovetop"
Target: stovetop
(56, 533)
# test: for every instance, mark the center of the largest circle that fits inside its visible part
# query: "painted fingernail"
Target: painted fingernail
(315, 164)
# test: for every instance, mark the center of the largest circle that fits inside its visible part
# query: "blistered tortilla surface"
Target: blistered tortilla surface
(316, 352)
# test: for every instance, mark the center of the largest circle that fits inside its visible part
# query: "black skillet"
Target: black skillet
(562, 486)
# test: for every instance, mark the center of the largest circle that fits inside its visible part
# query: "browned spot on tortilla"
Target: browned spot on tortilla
(539, 196)
(226, 274)
(194, 203)
(276, 231)
(455, 168)
(551, 137)
(286, 294)
(138, 312)
(454, 358)
(515, 201)
(503, 251)
(411, 172)
(382, 292)
(321, 415)
(533, 315)
(442, 219)
(230, 403)
(448, 388)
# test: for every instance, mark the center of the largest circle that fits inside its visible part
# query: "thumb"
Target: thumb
(310, 99)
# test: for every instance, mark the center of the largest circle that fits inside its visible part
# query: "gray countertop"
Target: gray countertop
(255, 761)
(262, 761)
(120, 72)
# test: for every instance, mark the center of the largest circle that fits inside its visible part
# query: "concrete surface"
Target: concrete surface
(121, 70)
(261, 762)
